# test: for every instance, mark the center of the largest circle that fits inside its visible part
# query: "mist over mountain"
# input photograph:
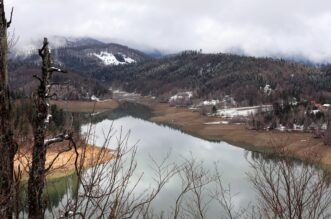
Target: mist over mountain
(79, 56)
(72, 42)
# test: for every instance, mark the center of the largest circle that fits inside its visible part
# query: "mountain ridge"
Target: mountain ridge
(208, 75)
(217, 75)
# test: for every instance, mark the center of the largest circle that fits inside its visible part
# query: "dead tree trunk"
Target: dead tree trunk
(38, 170)
(7, 145)
(37, 175)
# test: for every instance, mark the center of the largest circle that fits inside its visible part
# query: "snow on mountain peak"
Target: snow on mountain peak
(111, 59)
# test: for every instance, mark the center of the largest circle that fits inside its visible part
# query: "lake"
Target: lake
(156, 141)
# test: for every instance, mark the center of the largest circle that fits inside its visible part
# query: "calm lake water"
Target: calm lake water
(157, 141)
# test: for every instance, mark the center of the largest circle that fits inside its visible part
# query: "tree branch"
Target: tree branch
(57, 156)
(57, 139)
(45, 44)
(51, 96)
(11, 17)
(54, 69)
(37, 77)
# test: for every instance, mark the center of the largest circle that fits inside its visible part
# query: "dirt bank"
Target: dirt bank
(301, 144)
(65, 163)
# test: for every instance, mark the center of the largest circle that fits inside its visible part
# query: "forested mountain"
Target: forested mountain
(72, 85)
(214, 75)
(81, 58)
(89, 57)
(207, 75)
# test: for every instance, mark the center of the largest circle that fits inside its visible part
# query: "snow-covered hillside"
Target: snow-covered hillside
(111, 59)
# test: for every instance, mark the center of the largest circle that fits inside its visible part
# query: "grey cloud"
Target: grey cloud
(256, 27)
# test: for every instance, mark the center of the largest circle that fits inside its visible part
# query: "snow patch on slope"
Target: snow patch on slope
(243, 111)
(110, 59)
(182, 95)
(128, 59)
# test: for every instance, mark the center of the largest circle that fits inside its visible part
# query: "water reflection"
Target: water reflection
(156, 141)
(125, 109)
(60, 189)
(57, 192)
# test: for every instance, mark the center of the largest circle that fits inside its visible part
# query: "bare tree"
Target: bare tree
(194, 196)
(109, 190)
(41, 120)
(223, 196)
(286, 190)
(8, 146)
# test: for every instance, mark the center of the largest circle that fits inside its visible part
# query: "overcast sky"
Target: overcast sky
(252, 27)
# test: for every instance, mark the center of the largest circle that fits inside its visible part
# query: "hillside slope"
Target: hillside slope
(73, 86)
(88, 58)
(215, 75)
(86, 55)
(81, 58)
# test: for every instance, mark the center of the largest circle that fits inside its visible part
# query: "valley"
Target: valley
(165, 109)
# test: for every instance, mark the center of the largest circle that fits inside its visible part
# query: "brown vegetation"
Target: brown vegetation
(64, 164)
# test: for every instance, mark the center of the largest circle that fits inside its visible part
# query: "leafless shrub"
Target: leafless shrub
(224, 197)
(289, 190)
(108, 190)
(193, 198)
